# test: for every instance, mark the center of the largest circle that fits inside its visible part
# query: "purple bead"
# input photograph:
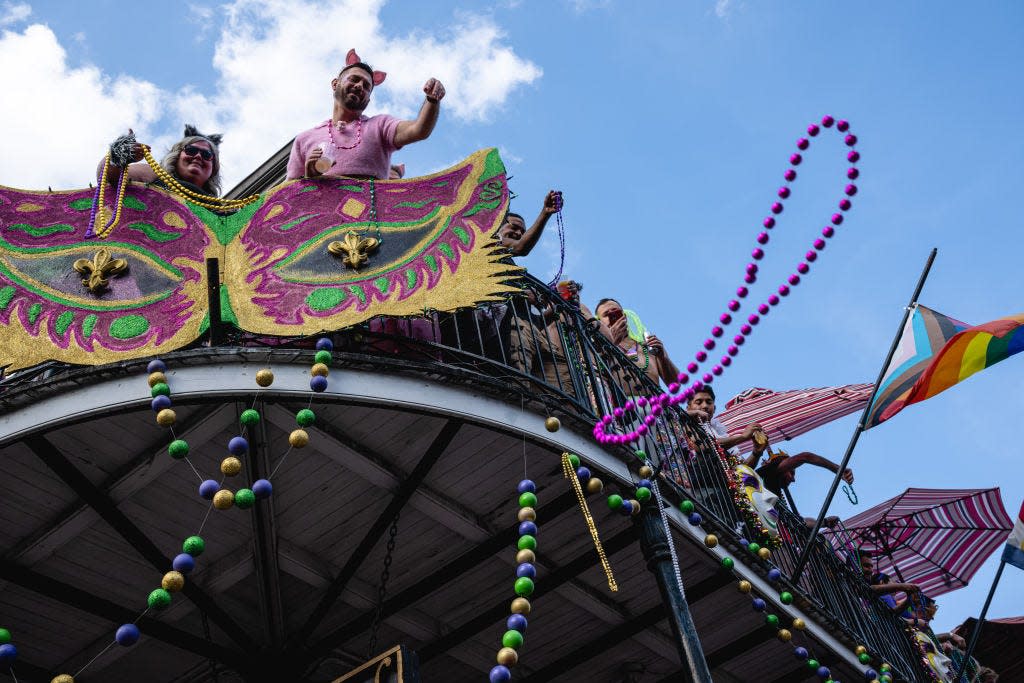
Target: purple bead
(812, 130)
(789, 175)
(827, 121)
(853, 157)
(795, 159)
(870, 674)
(695, 519)
(758, 604)
(753, 319)
(8, 653)
(762, 238)
(744, 541)
(156, 365)
(716, 331)
(701, 357)
(763, 309)
(734, 305)
(499, 674)
(783, 290)
(642, 429)
(683, 378)
(645, 483)
(823, 672)
(160, 402)
(127, 635)
(627, 507)
(783, 192)
(758, 253)
(688, 394)
(845, 204)
(184, 563)
(526, 569)
(751, 268)
(739, 339)
(262, 488)
(774, 574)
(324, 344)
(725, 318)
(811, 255)
(746, 329)
(628, 405)
(733, 350)
(802, 268)
(516, 622)
(800, 653)
(708, 378)
(709, 344)
(527, 486)
(642, 402)
(773, 300)
(776, 207)
(819, 244)
(318, 383)
(741, 292)
(726, 361)
(527, 529)
(750, 278)
(852, 173)
(768, 223)
(794, 279)
(673, 387)
(851, 189)
(842, 125)
(837, 219)
(802, 143)
(850, 140)
(583, 473)
(208, 489)
(238, 446)
(692, 367)
(717, 370)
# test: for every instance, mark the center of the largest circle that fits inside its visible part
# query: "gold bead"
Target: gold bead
(298, 439)
(646, 472)
(764, 553)
(508, 656)
(799, 624)
(784, 635)
(527, 556)
(230, 466)
(63, 678)
(521, 606)
(527, 515)
(711, 540)
(166, 417)
(223, 499)
(859, 650)
(636, 507)
(594, 485)
(264, 378)
(744, 586)
(319, 369)
(552, 424)
(173, 582)
(157, 378)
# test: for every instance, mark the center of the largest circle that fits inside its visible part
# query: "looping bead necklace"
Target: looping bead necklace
(205, 201)
(99, 210)
(359, 134)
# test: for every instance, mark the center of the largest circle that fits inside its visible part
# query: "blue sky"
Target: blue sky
(667, 126)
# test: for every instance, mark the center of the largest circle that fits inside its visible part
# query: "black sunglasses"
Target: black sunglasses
(192, 151)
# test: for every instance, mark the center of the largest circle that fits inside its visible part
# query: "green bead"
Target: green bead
(640, 454)
(178, 449)
(885, 668)
(323, 357)
(244, 499)
(527, 500)
(727, 562)
(643, 494)
(753, 547)
(512, 639)
(614, 501)
(250, 418)
(305, 417)
(686, 507)
(786, 598)
(5, 636)
(160, 389)
(527, 542)
(771, 620)
(524, 587)
(813, 664)
(159, 599)
(574, 459)
(194, 546)
(864, 658)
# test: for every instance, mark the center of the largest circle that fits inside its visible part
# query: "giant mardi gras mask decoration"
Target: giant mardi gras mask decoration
(934, 659)
(305, 256)
(761, 500)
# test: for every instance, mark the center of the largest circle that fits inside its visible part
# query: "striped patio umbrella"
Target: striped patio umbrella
(936, 538)
(787, 414)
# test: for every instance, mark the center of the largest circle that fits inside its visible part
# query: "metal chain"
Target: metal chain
(382, 588)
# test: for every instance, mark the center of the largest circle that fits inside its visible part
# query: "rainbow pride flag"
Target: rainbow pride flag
(935, 352)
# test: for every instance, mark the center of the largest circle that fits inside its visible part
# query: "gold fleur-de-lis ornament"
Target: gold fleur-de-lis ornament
(99, 270)
(353, 249)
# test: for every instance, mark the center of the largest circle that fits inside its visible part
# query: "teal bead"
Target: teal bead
(178, 449)
(643, 494)
(728, 563)
(527, 500)
(512, 639)
(524, 586)
(159, 599)
(527, 542)
(305, 417)
(5, 636)
(244, 499)
(194, 546)
(614, 501)
(160, 389)
(686, 507)
(575, 460)
(250, 418)
(771, 620)
(786, 598)
(323, 357)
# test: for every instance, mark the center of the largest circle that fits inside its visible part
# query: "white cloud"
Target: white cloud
(274, 60)
(724, 9)
(581, 6)
(11, 13)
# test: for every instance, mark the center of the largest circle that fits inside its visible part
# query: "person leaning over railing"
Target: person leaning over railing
(193, 161)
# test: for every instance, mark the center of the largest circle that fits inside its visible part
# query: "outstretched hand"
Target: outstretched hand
(434, 90)
(848, 475)
(552, 202)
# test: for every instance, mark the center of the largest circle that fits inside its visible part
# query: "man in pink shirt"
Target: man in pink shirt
(351, 144)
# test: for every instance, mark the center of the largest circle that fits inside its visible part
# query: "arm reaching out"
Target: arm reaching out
(422, 126)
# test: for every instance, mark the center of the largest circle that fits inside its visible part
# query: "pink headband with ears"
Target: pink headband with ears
(352, 58)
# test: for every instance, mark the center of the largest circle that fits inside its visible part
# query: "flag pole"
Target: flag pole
(981, 620)
(805, 553)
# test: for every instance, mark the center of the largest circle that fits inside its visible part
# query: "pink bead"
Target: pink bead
(708, 379)
(850, 140)
(676, 400)
(692, 367)
(701, 356)
(673, 387)
(726, 361)
(607, 419)
(783, 290)
(763, 309)
(733, 350)
(783, 192)
(789, 175)
(845, 204)
(819, 244)
(802, 143)
(683, 378)
(795, 159)
(827, 121)
(746, 329)
(758, 253)
(741, 292)
(850, 190)
(716, 331)
(752, 268)
(734, 305)
(657, 410)
(688, 394)
(762, 238)
(753, 319)
(642, 401)
(717, 370)
(709, 344)
(769, 222)
(842, 126)
(628, 405)
(811, 255)
(853, 157)
(739, 339)
(802, 268)
(837, 219)
(698, 385)
(649, 420)
(812, 130)
(641, 430)
(750, 278)
(852, 173)
(618, 412)
(828, 231)
(725, 318)
(777, 207)
(773, 300)
(794, 279)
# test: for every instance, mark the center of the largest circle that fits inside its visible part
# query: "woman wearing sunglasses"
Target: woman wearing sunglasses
(194, 161)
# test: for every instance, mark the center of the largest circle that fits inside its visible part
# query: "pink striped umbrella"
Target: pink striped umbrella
(787, 414)
(936, 538)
